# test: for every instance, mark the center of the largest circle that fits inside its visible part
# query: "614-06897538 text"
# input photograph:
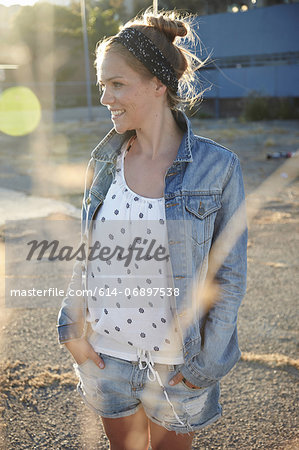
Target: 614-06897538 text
(54, 291)
(143, 292)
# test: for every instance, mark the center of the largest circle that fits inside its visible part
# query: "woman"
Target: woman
(151, 368)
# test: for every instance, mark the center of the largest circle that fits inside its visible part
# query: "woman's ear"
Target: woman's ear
(160, 88)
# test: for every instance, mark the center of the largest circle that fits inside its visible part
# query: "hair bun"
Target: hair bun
(170, 27)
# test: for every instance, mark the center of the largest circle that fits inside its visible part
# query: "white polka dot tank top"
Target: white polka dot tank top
(130, 282)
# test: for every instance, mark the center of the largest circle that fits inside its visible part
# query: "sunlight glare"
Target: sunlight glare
(17, 2)
(20, 111)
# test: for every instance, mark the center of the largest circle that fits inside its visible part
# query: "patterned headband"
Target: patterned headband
(146, 52)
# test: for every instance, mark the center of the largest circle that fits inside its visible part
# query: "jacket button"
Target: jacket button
(201, 210)
(88, 200)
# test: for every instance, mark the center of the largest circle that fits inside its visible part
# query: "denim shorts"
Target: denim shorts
(122, 387)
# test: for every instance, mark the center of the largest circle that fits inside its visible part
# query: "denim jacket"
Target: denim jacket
(204, 190)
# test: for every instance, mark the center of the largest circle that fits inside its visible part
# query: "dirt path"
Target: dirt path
(39, 407)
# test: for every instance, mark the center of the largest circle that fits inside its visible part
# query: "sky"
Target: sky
(17, 2)
(30, 2)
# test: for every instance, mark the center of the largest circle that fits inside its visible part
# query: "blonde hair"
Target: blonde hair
(172, 33)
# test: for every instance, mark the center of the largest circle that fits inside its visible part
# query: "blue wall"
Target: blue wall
(254, 50)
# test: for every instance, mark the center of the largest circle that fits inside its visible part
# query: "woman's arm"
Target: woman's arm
(219, 349)
(71, 321)
(71, 315)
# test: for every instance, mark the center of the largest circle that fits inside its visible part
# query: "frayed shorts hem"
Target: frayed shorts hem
(117, 415)
(178, 429)
(122, 388)
(186, 430)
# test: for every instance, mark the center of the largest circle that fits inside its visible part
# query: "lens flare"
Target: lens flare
(20, 111)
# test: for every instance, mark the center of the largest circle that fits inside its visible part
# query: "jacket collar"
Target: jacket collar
(110, 146)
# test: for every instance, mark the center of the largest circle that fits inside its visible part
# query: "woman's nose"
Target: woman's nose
(106, 97)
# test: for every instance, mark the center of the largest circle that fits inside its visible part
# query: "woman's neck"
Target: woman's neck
(160, 138)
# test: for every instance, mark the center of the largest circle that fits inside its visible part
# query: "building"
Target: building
(256, 50)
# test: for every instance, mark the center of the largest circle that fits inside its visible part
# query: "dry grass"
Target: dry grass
(271, 217)
(20, 380)
(277, 130)
(232, 133)
(272, 359)
(276, 265)
(259, 130)
(269, 142)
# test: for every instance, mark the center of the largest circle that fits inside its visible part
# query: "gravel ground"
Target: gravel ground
(39, 407)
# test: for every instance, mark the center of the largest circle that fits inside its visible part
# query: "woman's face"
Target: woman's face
(129, 96)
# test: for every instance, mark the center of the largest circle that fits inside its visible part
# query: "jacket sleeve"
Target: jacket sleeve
(71, 316)
(219, 350)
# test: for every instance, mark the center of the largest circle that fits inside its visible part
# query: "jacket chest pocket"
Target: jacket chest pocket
(202, 211)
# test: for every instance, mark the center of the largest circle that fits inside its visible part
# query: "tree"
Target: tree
(101, 23)
(53, 36)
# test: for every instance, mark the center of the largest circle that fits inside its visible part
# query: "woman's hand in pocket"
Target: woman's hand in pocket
(178, 378)
(81, 350)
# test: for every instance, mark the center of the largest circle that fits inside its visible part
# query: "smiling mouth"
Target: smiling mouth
(117, 113)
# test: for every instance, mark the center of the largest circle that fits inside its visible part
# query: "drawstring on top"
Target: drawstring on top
(145, 361)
